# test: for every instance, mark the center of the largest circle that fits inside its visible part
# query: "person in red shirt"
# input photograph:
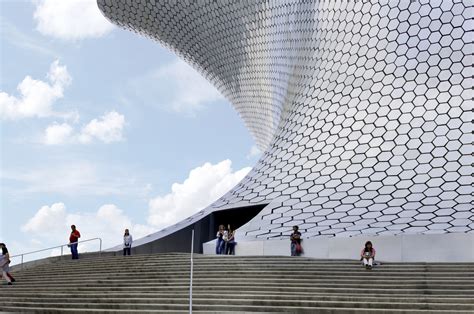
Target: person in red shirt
(73, 241)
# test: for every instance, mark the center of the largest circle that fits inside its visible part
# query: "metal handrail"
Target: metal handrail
(58, 246)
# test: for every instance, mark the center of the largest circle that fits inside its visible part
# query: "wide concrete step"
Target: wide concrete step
(250, 288)
(246, 282)
(288, 280)
(243, 304)
(232, 310)
(134, 276)
(275, 300)
(366, 294)
(212, 269)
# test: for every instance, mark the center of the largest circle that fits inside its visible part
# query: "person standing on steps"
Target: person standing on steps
(73, 241)
(295, 239)
(220, 240)
(230, 244)
(367, 255)
(127, 243)
(4, 264)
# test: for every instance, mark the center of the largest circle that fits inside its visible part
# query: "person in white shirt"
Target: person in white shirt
(127, 243)
(4, 264)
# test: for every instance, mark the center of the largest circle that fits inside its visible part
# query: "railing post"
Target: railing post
(21, 261)
(61, 251)
(100, 246)
(191, 275)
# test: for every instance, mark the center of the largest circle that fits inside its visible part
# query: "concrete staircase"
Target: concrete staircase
(160, 283)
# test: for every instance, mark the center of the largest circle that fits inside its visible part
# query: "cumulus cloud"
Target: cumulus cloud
(57, 134)
(52, 223)
(108, 128)
(176, 87)
(204, 185)
(47, 219)
(36, 97)
(70, 19)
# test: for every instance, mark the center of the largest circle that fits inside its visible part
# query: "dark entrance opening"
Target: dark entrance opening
(204, 230)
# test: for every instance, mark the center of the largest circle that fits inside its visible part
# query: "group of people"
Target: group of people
(74, 241)
(225, 244)
(367, 255)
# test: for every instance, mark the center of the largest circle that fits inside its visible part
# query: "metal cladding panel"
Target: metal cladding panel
(363, 109)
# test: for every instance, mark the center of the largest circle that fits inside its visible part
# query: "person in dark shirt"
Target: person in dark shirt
(73, 241)
(4, 264)
(295, 238)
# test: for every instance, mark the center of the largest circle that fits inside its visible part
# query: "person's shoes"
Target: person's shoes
(367, 267)
(13, 279)
(9, 284)
(370, 267)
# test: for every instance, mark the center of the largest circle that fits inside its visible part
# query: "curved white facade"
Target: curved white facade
(364, 110)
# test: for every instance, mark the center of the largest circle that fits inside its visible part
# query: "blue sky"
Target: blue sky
(105, 129)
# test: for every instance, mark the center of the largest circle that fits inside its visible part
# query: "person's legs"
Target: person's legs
(75, 254)
(11, 277)
(5, 275)
(370, 262)
(222, 247)
(364, 260)
(232, 249)
(218, 246)
(129, 251)
(293, 249)
(124, 251)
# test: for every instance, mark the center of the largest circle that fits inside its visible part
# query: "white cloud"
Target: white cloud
(57, 134)
(52, 223)
(107, 128)
(70, 19)
(204, 185)
(177, 87)
(46, 219)
(36, 97)
(254, 152)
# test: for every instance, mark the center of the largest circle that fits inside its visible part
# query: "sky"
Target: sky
(104, 129)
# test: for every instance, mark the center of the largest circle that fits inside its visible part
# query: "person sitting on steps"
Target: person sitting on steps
(367, 255)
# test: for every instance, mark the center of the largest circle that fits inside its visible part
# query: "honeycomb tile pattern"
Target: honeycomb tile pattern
(364, 109)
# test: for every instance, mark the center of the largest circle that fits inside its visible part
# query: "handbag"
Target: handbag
(299, 248)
